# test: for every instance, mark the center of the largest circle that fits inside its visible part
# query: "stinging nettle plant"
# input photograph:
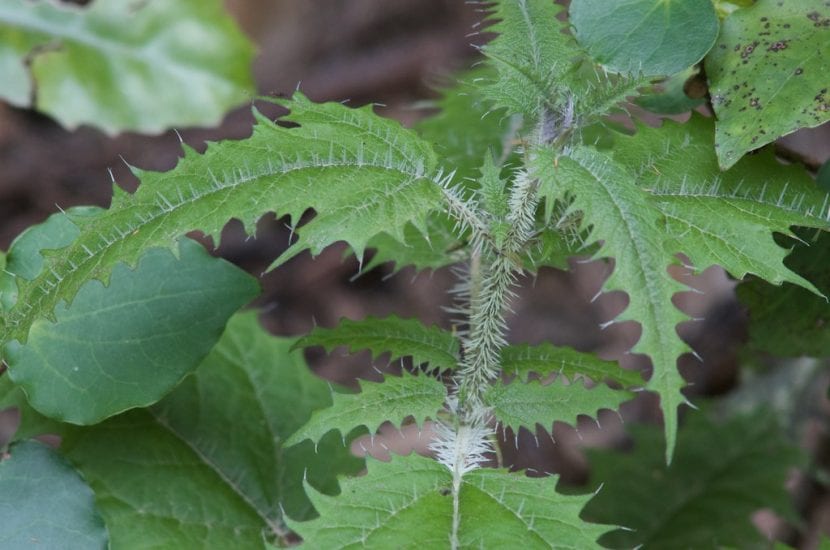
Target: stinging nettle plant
(107, 313)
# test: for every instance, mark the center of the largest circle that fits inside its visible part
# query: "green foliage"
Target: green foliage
(545, 359)
(768, 74)
(520, 404)
(620, 34)
(128, 344)
(393, 335)
(284, 170)
(789, 321)
(45, 502)
(407, 501)
(394, 399)
(113, 64)
(103, 310)
(721, 475)
(216, 459)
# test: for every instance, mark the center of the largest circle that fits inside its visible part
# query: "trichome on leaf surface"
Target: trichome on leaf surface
(121, 334)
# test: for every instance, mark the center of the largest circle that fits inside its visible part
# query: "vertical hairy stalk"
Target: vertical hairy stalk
(461, 445)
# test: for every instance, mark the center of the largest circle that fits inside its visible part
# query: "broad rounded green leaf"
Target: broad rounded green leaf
(653, 37)
(121, 65)
(393, 335)
(127, 344)
(768, 74)
(241, 405)
(408, 502)
(44, 503)
(212, 452)
(393, 400)
(520, 404)
(721, 475)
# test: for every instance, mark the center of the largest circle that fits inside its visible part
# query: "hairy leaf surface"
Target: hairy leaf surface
(531, 56)
(45, 502)
(393, 335)
(363, 175)
(128, 344)
(623, 217)
(520, 404)
(723, 218)
(409, 499)
(393, 400)
(545, 359)
(768, 74)
(115, 63)
(721, 475)
(644, 36)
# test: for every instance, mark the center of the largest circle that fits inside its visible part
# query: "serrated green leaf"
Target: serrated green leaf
(622, 216)
(393, 400)
(545, 359)
(393, 335)
(720, 476)
(407, 503)
(520, 404)
(645, 36)
(768, 74)
(45, 502)
(114, 63)
(128, 344)
(723, 218)
(363, 175)
(531, 55)
(789, 321)
(213, 450)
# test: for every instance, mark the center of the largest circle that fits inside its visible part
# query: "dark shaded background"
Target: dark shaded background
(390, 52)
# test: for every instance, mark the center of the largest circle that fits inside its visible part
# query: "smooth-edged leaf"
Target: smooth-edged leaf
(522, 360)
(396, 398)
(789, 321)
(531, 56)
(127, 344)
(723, 218)
(118, 65)
(768, 74)
(206, 467)
(519, 404)
(669, 97)
(721, 475)
(45, 503)
(393, 335)
(237, 410)
(154, 491)
(407, 503)
(362, 174)
(653, 37)
(622, 216)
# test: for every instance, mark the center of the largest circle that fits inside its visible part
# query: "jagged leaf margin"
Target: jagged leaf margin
(393, 400)
(362, 174)
(393, 335)
(409, 499)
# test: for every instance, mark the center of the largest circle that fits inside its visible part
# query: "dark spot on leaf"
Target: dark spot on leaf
(778, 46)
(799, 71)
(444, 492)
